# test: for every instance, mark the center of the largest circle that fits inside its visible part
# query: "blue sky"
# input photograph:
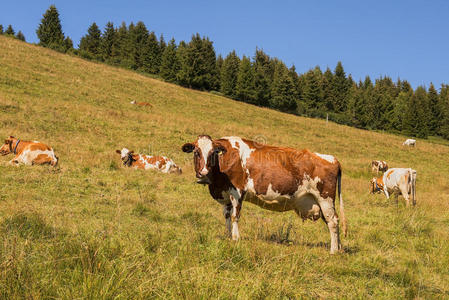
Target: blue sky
(406, 39)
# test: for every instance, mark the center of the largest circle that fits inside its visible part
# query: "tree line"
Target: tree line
(9, 31)
(382, 104)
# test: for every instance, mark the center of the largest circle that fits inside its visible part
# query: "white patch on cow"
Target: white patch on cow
(271, 194)
(243, 148)
(327, 157)
(27, 156)
(205, 144)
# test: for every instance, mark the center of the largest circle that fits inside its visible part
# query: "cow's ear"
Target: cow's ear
(188, 147)
(118, 151)
(131, 152)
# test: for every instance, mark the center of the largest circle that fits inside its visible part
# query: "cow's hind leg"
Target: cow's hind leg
(404, 193)
(331, 219)
(42, 159)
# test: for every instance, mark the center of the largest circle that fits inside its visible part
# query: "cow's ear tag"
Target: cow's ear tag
(220, 152)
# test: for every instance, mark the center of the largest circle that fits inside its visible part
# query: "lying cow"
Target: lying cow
(409, 142)
(275, 178)
(396, 180)
(29, 153)
(141, 103)
(146, 162)
(379, 165)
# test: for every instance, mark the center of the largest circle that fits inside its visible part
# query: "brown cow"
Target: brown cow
(147, 162)
(275, 178)
(29, 153)
(379, 165)
(141, 103)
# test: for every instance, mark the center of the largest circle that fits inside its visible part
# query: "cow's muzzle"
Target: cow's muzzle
(203, 179)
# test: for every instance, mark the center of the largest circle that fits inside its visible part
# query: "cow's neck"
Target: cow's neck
(17, 146)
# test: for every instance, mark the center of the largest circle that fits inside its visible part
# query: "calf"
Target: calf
(146, 162)
(379, 165)
(29, 153)
(396, 180)
(141, 103)
(409, 142)
(274, 178)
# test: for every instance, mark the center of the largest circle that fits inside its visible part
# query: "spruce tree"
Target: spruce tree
(68, 44)
(20, 36)
(109, 42)
(162, 44)
(139, 41)
(435, 110)
(153, 54)
(229, 73)
(245, 86)
(327, 90)
(1, 29)
(340, 88)
(443, 128)
(10, 30)
(90, 43)
(123, 51)
(49, 31)
(264, 71)
(198, 64)
(282, 90)
(418, 113)
(312, 92)
(170, 64)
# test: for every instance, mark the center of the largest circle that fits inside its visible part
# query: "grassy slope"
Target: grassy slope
(96, 230)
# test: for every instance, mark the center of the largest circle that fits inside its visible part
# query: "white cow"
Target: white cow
(409, 142)
(396, 180)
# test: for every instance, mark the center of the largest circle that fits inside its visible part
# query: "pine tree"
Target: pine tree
(162, 44)
(327, 90)
(123, 52)
(443, 128)
(20, 36)
(312, 92)
(264, 72)
(418, 113)
(1, 29)
(170, 64)
(435, 109)
(10, 30)
(68, 44)
(153, 54)
(229, 73)
(49, 31)
(108, 42)
(245, 86)
(282, 90)
(90, 43)
(340, 88)
(219, 65)
(198, 64)
(139, 35)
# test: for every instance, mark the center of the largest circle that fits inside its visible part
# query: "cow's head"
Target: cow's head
(8, 146)
(209, 154)
(375, 186)
(126, 156)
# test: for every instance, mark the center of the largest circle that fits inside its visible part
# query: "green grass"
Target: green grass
(93, 229)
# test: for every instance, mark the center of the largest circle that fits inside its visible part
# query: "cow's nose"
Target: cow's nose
(203, 172)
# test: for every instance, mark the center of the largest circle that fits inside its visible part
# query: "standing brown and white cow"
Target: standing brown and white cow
(29, 153)
(396, 180)
(274, 178)
(379, 165)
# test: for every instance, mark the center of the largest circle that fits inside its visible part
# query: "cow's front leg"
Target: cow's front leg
(227, 212)
(404, 193)
(236, 207)
(386, 193)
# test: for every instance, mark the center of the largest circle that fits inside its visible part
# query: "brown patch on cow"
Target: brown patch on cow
(42, 159)
(389, 174)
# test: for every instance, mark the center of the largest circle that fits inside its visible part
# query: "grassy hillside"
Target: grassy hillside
(93, 229)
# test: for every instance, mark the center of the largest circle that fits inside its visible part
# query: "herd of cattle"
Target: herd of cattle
(237, 170)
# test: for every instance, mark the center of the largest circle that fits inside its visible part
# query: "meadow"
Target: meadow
(91, 229)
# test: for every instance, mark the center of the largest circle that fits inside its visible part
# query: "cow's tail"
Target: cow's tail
(412, 182)
(342, 208)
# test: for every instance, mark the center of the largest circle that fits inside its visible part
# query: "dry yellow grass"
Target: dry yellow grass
(96, 230)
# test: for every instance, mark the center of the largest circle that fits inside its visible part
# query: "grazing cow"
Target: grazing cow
(274, 178)
(409, 142)
(146, 162)
(396, 180)
(29, 153)
(141, 103)
(379, 165)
